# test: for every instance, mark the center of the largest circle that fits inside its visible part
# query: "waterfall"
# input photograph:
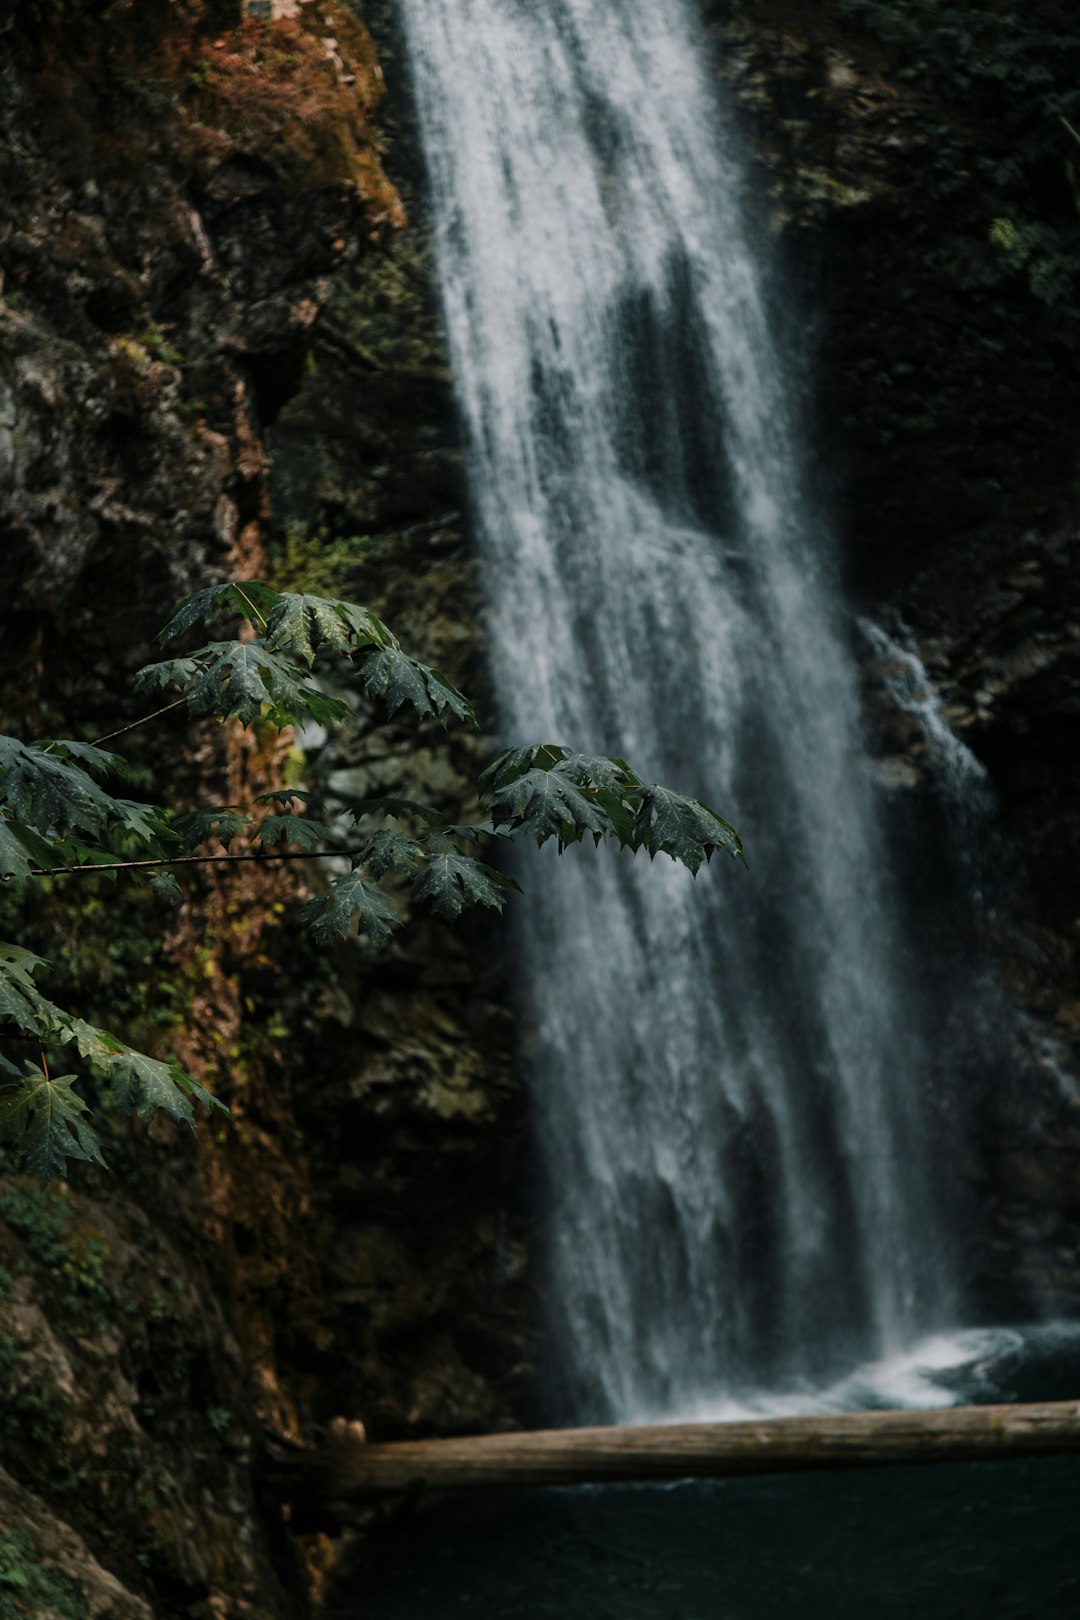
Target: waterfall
(730, 1093)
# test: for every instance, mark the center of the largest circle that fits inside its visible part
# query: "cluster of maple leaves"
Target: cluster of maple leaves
(60, 816)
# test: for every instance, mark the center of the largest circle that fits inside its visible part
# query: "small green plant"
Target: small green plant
(302, 558)
(1012, 73)
(201, 74)
(1038, 250)
(45, 1226)
(29, 1586)
(150, 95)
(156, 343)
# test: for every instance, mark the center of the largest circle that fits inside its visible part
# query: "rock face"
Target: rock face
(173, 197)
(180, 183)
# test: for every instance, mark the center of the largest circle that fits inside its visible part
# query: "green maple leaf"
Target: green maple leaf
(21, 849)
(473, 831)
(291, 830)
(49, 791)
(88, 754)
(513, 762)
(548, 804)
(396, 807)
(670, 824)
(597, 770)
(330, 915)
(241, 679)
(248, 598)
(220, 821)
(393, 676)
(169, 672)
(611, 785)
(50, 1122)
(286, 797)
(18, 1002)
(307, 625)
(450, 882)
(144, 822)
(143, 1085)
(165, 886)
(367, 630)
(21, 1002)
(391, 851)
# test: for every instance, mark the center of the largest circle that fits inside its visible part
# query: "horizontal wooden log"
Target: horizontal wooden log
(349, 1470)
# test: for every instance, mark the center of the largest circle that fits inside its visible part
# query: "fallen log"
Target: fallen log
(347, 1469)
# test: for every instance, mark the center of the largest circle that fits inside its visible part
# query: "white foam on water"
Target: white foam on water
(945, 1369)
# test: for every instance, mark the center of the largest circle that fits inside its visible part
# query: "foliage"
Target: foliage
(1013, 70)
(60, 815)
(28, 1586)
(1040, 251)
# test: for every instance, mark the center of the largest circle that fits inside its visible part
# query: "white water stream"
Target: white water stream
(728, 1081)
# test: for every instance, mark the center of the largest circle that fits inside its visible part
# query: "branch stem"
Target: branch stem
(169, 707)
(192, 860)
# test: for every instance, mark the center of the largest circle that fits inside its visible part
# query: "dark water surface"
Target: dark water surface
(941, 1543)
(944, 1542)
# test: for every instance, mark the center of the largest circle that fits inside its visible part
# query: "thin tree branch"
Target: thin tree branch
(190, 860)
(135, 723)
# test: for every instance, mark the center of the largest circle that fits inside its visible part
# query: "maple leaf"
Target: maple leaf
(244, 678)
(165, 886)
(21, 1002)
(89, 754)
(307, 625)
(47, 790)
(330, 915)
(393, 676)
(285, 797)
(169, 672)
(450, 882)
(670, 824)
(391, 851)
(220, 821)
(249, 599)
(50, 1121)
(141, 1084)
(21, 848)
(398, 808)
(291, 830)
(547, 804)
(144, 822)
(367, 630)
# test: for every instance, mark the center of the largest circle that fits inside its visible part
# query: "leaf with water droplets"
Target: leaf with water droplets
(330, 915)
(49, 1122)
(668, 823)
(451, 882)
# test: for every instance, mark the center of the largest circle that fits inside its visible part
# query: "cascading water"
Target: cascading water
(727, 1073)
